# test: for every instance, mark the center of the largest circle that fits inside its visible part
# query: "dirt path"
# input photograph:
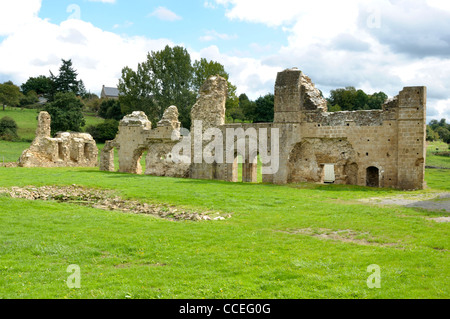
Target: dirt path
(438, 202)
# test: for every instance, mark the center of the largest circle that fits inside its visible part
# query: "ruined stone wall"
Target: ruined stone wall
(136, 137)
(381, 148)
(64, 150)
(391, 140)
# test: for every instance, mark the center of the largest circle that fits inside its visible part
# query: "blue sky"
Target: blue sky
(374, 45)
(194, 23)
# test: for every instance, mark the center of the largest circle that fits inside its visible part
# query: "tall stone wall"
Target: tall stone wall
(379, 148)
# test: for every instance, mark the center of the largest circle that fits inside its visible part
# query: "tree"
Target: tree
(171, 75)
(444, 134)
(167, 78)
(110, 109)
(377, 100)
(442, 129)
(8, 129)
(264, 111)
(350, 99)
(41, 85)
(431, 134)
(29, 99)
(66, 81)
(104, 131)
(136, 93)
(203, 69)
(248, 107)
(66, 113)
(9, 94)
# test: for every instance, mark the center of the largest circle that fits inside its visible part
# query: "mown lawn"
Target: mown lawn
(257, 253)
(435, 160)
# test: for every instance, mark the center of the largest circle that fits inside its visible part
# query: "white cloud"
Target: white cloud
(209, 5)
(165, 14)
(212, 35)
(248, 74)
(15, 15)
(37, 46)
(126, 24)
(380, 45)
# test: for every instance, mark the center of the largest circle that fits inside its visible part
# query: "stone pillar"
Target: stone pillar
(107, 157)
(44, 122)
(412, 137)
(207, 112)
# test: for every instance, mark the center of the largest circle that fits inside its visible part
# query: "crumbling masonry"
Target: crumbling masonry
(65, 150)
(378, 148)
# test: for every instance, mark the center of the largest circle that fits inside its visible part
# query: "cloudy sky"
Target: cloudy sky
(380, 45)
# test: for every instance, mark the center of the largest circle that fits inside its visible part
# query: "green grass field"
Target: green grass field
(258, 253)
(26, 120)
(437, 161)
(278, 242)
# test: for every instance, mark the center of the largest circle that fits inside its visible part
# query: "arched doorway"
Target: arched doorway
(373, 177)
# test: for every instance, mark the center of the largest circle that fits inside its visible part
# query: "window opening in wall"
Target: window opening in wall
(60, 151)
(86, 151)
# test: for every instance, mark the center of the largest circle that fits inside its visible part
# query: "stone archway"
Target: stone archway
(308, 158)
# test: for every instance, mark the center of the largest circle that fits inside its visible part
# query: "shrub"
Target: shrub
(110, 109)
(104, 131)
(66, 113)
(8, 129)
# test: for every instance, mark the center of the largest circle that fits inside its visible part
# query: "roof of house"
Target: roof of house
(109, 91)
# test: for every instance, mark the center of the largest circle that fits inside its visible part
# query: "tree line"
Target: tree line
(438, 130)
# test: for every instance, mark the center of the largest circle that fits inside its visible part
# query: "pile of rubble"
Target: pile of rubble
(107, 200)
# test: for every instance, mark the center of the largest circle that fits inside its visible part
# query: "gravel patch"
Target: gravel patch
(107, 200)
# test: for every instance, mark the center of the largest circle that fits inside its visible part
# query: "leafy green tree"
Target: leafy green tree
(104, 131)
(66, 80)
(41, 85)
(203, 69)
(29, 100)
(234, 112)
(9, 94)
(111, 109)
(8, 129)
(442, 129)
(334, 108)
(431, 134)
(264, 111)
(377, 100)
(171, 78)
(66, 112)
(444, 134)
(136, 93)
(167, 78)
(350, 99)
(248, 107)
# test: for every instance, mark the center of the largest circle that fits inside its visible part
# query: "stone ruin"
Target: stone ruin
(64, 150)
(378, 148)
